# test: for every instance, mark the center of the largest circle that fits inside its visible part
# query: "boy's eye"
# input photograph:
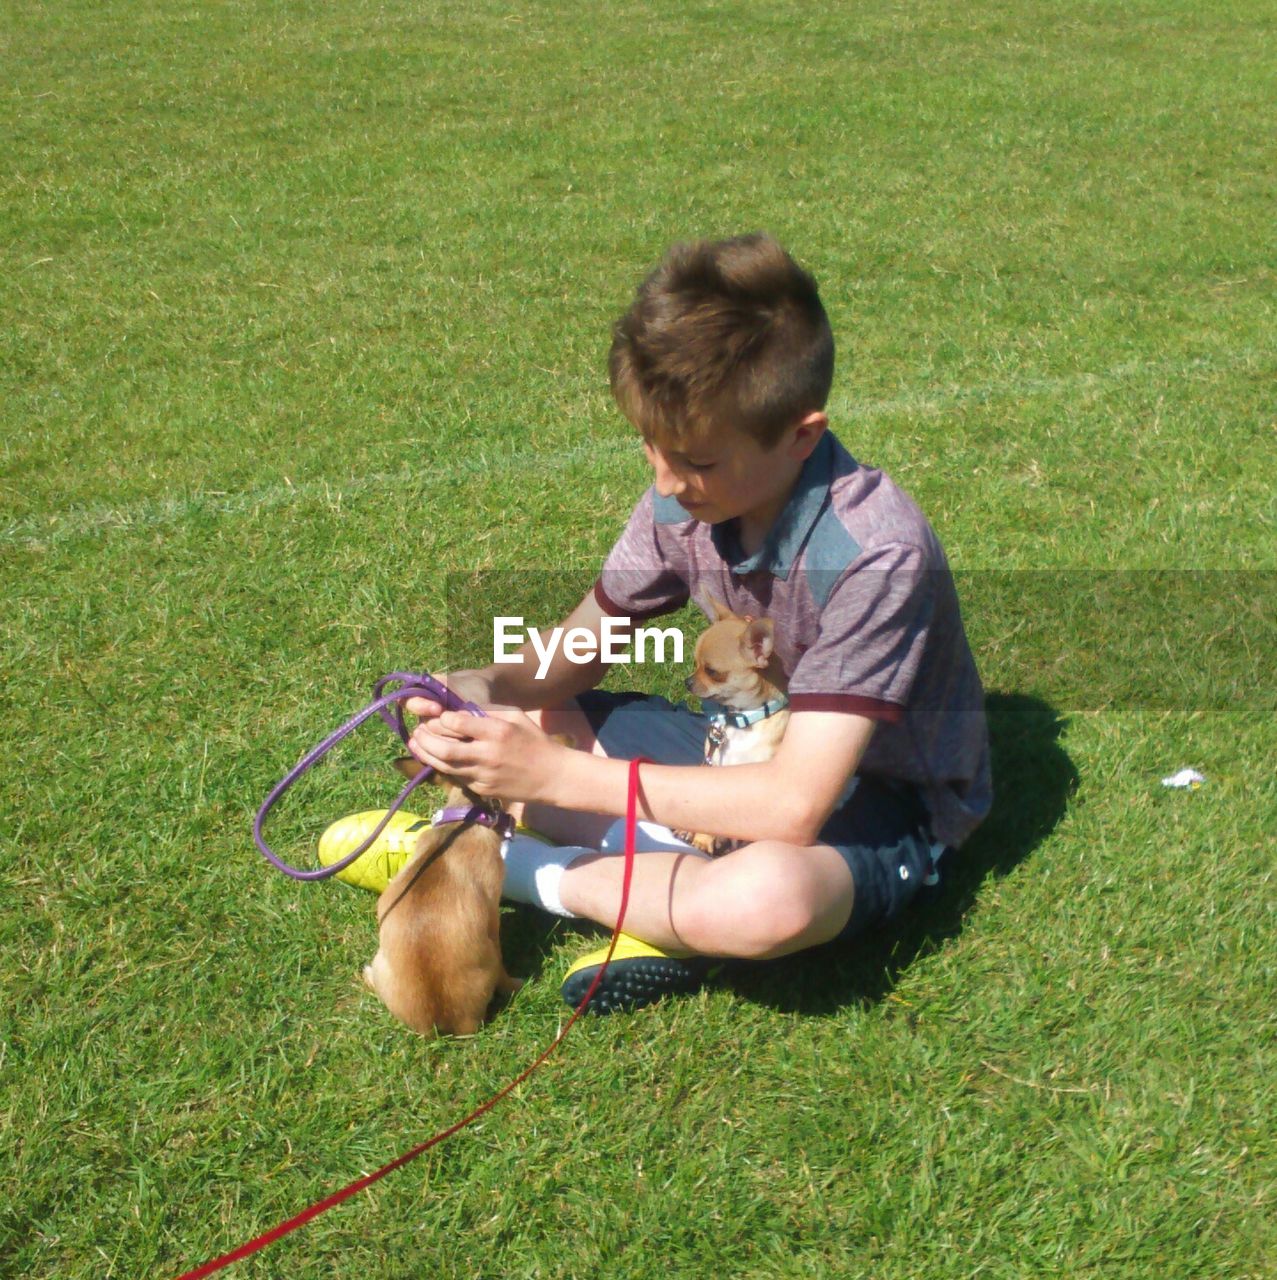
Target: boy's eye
(701, 466)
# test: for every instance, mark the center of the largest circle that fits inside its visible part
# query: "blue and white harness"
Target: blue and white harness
(719, 724)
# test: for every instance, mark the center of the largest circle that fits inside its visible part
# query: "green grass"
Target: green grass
(305, 318)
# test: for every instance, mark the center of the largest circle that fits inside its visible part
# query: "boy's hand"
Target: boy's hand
(502, 754)
(473, 686)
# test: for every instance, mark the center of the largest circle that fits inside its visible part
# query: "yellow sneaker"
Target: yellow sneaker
(378, 865)
(638, 975)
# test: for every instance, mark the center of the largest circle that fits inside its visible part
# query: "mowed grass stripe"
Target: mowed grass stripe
(56, 527)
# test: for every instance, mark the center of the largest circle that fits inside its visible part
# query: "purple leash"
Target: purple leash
(408, 685)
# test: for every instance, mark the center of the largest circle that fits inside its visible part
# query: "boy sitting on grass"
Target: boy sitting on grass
(724, 363)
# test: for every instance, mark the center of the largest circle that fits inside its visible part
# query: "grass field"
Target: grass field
(304, 318)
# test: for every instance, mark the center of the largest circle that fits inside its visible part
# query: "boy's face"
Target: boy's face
(727, 474)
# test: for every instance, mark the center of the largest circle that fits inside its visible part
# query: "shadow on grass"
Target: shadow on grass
(1033, 780)
(529, 936)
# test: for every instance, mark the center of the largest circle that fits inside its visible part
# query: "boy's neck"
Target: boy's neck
(753, 527)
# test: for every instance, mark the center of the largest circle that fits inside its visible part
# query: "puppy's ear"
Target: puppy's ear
(409, 766)
(757, 642)
(720, 610)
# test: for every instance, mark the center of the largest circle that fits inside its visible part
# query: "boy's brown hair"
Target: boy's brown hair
(723, 331)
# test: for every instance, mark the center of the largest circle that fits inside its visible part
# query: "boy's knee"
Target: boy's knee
(567, 721)
(777, 899)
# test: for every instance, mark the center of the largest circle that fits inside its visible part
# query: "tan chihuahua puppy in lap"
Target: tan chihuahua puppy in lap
(737, 667)
(439, 965)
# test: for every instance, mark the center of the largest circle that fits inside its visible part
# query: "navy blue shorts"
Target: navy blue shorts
(881, 829)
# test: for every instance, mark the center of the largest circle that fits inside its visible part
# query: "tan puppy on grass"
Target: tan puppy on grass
(737, 667)
(439, 966)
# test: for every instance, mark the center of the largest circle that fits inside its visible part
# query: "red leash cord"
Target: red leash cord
(339, 1197)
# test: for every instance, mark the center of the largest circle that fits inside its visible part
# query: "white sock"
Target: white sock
(534, 869)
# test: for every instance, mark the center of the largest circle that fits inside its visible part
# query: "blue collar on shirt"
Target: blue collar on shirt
(784, 542)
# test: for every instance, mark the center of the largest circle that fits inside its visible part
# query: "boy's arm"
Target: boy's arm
(515, 684)
(788, 798)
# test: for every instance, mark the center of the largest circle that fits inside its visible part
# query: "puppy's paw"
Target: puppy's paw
(712, 845)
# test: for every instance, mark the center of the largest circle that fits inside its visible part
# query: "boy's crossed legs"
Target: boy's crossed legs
(764, 900)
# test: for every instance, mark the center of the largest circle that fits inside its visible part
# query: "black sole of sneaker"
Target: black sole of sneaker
(631, 984)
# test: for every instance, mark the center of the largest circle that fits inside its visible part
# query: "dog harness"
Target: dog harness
(719, 724)
(501, 823)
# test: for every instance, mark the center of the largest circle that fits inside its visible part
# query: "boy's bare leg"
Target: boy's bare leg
(565, 826)
(766, 900)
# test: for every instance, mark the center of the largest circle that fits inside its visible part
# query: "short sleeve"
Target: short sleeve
(872, 633)
(646, 573)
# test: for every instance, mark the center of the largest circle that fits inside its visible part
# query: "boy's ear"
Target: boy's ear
(757, 642)
(807, 433)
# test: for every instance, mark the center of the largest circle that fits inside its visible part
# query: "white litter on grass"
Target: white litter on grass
(1185, 780)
